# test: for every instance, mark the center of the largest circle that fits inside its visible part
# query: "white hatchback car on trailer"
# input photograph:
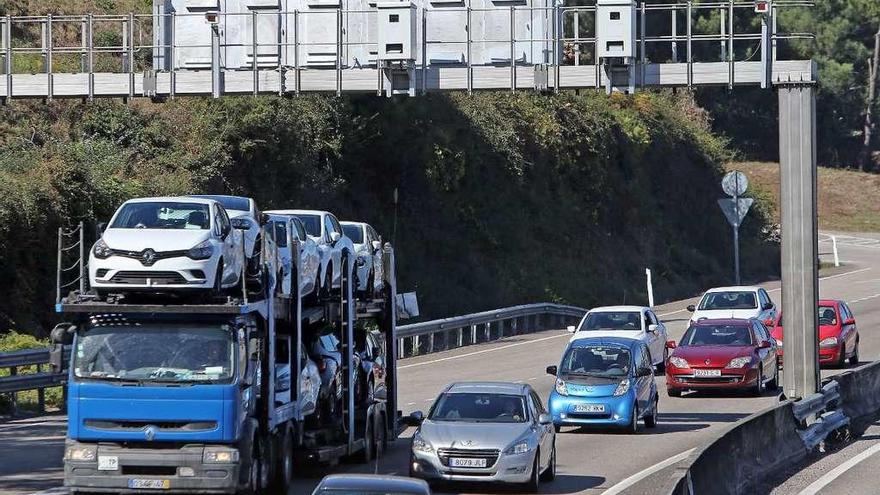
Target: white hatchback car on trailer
(167, 244)
(368, 248)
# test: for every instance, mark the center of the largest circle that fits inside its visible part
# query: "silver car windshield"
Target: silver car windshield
(601, 361)
(617, 320)
(312, 223)
(157, 352)
(480, 408)
(163, 215)
(729, 300)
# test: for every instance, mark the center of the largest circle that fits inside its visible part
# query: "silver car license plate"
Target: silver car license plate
(467, 462)
(143, 484)
(707, 373)
(589, 408)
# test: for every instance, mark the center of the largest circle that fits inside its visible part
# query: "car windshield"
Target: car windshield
(827, 315)
(159, 352)
(729, 300)
(616, 320)
(602, 361)
(312, 223)
(481, 408)
(734, 335)
(354, 232)
(162, 215)
(230, 202)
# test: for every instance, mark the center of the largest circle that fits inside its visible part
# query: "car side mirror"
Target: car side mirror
(653, 328)
(767, 306)
(240, 223)
(264, 219)
(335, 236)
(102, 226)
(849, 321)
(571, 328)
(644, 372)
(670, 344)
(545, 419)
(415, 418)
(552, 370)
(765, 344)
(376, 245)
(691, 308)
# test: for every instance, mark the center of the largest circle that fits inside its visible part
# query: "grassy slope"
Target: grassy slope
(848, 200)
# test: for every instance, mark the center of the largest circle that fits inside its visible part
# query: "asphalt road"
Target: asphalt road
(590, 463)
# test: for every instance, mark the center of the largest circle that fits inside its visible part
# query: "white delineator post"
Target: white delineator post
(650, 288)
(834, 245)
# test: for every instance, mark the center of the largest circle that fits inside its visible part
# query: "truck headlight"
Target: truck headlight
(420, 445)
(102, 250)
(518, 448)
(81, 453)
(220, 456)
(622, 388)
(739, 362)
(202, 251)
(561, 389)
(829, 342)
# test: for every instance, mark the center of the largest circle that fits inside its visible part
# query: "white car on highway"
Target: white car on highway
(285, 230)
(739, 302)
(244, 208)
(634, 322)
(167, 244)
(323, 228)
(368, 248)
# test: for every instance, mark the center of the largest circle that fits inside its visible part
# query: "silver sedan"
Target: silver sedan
(485, 432)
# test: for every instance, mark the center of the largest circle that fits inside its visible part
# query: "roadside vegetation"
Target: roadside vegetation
(25, 401)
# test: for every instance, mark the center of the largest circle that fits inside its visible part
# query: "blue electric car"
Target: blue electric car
(604, 381)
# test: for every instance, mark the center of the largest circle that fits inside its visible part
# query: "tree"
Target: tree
(871, 100)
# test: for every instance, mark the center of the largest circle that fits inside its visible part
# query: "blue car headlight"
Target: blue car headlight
(622, 388)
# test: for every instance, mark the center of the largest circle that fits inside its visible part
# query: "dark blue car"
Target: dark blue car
(604, 381)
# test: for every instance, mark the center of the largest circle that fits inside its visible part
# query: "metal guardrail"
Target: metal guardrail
(39, 380)
(459, 331)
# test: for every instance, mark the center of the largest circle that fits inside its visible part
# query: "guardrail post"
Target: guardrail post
(64, 398)
(431, 343)
(41, 394)
(13, 371)
(473, 334)
(460, 336)
(415, 346)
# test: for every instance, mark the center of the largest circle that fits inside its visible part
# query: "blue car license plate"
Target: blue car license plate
(589, 408)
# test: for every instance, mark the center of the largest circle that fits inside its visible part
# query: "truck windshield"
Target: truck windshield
(157, 352)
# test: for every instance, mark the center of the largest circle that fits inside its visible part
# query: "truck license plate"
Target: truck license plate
(467, 463)
(149, 484)
(707, 373)
(589, 408)
(108, 463)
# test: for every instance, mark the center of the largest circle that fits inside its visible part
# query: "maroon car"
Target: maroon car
(723, 354)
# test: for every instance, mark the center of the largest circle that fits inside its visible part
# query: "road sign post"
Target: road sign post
(735, 184)
(800, 245)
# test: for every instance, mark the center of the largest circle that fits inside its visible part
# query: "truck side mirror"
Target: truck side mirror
(56, 358)
(62, 334)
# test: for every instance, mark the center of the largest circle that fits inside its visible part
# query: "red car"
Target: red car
(838, 335)
(723, 354)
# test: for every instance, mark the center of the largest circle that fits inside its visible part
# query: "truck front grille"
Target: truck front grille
(164, 426)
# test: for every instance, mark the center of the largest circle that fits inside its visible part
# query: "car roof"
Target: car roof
(355, 224)
(488, 387)
(177, 199)
(355, 482)
(735, 288)
(724, 321)
(607, 341)
(299, 212)
(602, 309)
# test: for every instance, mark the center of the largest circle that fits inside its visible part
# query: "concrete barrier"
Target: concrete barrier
(860, 394)
(742, 456)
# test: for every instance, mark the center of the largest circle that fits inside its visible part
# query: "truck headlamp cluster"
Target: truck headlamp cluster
(81, 453)
(220, 456)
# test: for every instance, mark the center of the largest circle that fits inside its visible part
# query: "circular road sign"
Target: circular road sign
(735, 183)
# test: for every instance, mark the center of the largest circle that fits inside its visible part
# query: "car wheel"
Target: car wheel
(758, 389)
(549, 474)
(854, 359)
(773, 385)
(218, 279)
(673, 392)
(651, 421)
(841, 361)
(533, 484)
(633, 427)
(370, 291)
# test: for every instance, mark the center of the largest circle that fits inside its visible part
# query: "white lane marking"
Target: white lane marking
(832, 475)
(632, 480)
(864, 299)
(672, 313)
(450, 358)
(411, 403)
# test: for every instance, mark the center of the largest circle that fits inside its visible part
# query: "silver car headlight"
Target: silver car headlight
(561, 389)
(829, 342)
(420, 445)
(202, 251)
(739, 362)
(102, 250)
(518, 448)
(81, 453)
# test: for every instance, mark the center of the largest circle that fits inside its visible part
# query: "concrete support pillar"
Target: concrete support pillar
(800, 284)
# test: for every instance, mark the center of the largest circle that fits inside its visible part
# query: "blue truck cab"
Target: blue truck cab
(164, 400)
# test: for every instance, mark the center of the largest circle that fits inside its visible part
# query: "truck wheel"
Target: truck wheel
(381, 438)
(366, 455)
(265, 465)
(286, 468)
